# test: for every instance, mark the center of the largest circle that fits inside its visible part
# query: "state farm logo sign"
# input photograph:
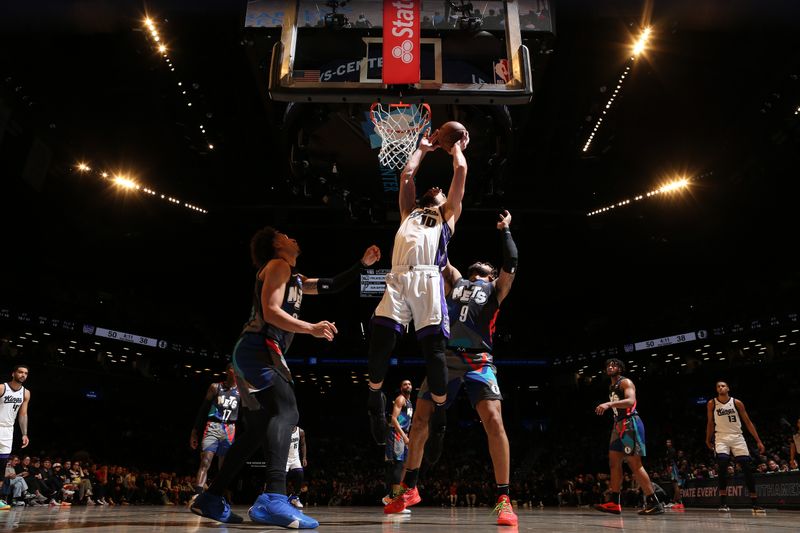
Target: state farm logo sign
(403, 52)
(401, 30)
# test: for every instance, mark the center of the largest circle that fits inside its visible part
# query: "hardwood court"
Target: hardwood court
(371, 519)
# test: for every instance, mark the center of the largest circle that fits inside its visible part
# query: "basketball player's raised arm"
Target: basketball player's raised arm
(455, 195)
(343, 279)
(450, 275)
(749, 424)
(510, 257)
(710, 424)
(276, 274)
(408, 189)
(399, 403)
(23, 417)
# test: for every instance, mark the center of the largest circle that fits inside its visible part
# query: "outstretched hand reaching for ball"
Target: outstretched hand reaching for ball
(461, 144)
(429, 143)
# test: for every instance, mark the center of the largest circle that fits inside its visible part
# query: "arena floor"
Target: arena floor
(370, 519)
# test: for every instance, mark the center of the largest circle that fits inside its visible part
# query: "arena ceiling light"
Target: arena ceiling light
(157, 41)
(671, 187)
(638, 48)
(126, 183)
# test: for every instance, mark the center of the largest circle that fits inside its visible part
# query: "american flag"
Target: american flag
(306, 75)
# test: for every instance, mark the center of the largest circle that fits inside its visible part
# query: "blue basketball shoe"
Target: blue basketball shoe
(275, 510)
(216, 508)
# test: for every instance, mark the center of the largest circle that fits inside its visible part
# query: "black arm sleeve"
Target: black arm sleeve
(340, 281)
(510, 256)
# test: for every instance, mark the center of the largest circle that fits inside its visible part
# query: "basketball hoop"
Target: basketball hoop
(400, 127)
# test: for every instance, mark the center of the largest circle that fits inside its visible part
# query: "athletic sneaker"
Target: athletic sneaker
(274, 509)
(678, 507)
(376, 409)
(724, 509)
(294, 499)
(653, 508)
(216, 508)
(386, 500)
(4, 506)
(406, 498)
(757, 509)
(505, 513)
(609, 507)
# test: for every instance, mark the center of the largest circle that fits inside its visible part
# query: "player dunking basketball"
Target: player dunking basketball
(217, 418)
(473, 303)
(264, 379)
(627, 441)
(725, 417)
(414, 288)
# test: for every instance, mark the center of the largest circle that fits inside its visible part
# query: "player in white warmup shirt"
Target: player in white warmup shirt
(14, 399)
(725, 417)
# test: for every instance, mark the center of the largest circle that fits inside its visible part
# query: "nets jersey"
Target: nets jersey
(226, 408)
(473, 308)
(292, 298)
(422, 239)
(10, 403)
(404, 418)
(294, 447)
(616, 394)
(726, 418)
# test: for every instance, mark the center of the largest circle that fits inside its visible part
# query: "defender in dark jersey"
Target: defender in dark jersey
(627, 441)
(473, 304)
(264, 380)
(397, 442)
(217, 420)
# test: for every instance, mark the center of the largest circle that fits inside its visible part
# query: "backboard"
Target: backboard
(332, 51)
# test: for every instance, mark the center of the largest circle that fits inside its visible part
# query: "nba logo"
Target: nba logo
(501, 75)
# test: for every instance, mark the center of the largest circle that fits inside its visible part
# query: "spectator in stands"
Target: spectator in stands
(18, 488)
(83, 486)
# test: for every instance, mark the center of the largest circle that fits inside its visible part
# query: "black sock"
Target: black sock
(411, 478)
(614, 497)
(502, 490)
(651, 499)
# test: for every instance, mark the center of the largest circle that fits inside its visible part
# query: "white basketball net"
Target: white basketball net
(400, 127)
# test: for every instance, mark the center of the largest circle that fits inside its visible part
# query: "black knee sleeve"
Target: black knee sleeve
(381, 344)
(294, 479)
(749, 480)
(433, 347)
(722, 473)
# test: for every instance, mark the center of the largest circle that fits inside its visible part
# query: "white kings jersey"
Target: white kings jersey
(10, 403)
(726, 418)
(294, 448)
(422, 239)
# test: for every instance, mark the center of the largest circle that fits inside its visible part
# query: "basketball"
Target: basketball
(450, 133)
